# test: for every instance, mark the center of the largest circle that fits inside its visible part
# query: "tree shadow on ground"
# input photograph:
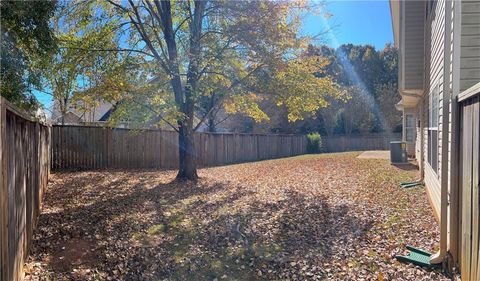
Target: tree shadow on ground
(191, 231)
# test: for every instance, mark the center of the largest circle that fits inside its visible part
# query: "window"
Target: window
(409, 127)
(433, 129)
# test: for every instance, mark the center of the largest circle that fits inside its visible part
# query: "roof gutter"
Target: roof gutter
(439, 257)
(394, 13)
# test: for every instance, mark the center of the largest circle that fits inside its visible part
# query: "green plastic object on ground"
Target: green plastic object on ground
(417, 257)
(410, 184)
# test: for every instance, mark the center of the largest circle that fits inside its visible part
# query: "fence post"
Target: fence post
(4, 274)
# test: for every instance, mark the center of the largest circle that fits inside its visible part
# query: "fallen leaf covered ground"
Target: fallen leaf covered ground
(313, 217)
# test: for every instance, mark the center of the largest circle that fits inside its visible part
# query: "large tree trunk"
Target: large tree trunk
(187, 161)
(63, 110)
(183, 95)
(188, 165)
(186, 145)
(211, 117)
(211, 124)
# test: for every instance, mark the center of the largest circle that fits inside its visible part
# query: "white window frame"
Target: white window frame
(412, 127)
(432, 139)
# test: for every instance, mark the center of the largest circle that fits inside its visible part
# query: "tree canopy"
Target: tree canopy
(369, 78)
(175, 55)
(27, 40)
(187, 65)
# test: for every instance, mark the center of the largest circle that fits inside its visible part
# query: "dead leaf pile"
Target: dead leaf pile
(329, 216)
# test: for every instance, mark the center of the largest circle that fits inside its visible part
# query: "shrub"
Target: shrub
(314, 143)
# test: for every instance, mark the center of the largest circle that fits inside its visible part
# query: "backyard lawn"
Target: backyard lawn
(329, 216)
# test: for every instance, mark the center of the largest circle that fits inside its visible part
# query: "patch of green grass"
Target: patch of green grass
(143, 238)
(393, 219)
(266, 250)
(156, 229)
(373, 267)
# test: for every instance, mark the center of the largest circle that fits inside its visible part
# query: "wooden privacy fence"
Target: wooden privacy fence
(359, 142)
(24, 170)
(89, 147)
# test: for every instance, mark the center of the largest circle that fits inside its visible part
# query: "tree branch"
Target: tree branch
(118, 6)
(41, 91)
(154, 15)
(158, 115)
(222, 97)
(109, 50)
(223, 120)
(141, 30)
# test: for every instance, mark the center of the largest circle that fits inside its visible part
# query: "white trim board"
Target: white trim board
(470, 92)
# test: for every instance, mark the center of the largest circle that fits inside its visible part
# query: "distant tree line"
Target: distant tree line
(369, 78)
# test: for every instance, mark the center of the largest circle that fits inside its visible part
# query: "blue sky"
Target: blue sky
(356, 22)
(44, 99)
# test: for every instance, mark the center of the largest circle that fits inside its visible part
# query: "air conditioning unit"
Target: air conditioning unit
(398, 152)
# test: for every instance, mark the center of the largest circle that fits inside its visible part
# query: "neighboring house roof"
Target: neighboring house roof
(98, 113)
(109, 112)
(106, 115)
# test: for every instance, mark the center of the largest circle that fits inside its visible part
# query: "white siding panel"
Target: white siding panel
(469, 29)
(470, 73)
(434, 42)
(471, 7)
(470, 45)
(470, 40)
(470, 62)
(413, 53)
(433, 188)
(437, 19)
(470, 18)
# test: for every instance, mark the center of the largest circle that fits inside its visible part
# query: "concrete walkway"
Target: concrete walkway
(375, 154)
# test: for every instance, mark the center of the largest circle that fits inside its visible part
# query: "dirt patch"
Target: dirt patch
(74, 253)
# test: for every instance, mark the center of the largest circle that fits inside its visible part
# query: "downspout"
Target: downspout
(455, 138)
(440, 255)
(422, 142)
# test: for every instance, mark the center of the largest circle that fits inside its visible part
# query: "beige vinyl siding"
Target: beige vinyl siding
(413, 58)
(470, 45)
(433, 188)
(435, 35)
(431, 179)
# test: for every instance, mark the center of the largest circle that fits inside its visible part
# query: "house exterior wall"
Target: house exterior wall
(77, 116)
(451, 67)
(97, 112)
(470, 48)
(71, 118)
(434, 42)
(413, 48)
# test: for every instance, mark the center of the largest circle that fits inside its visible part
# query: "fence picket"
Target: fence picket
(102, 148)
(24, 168)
